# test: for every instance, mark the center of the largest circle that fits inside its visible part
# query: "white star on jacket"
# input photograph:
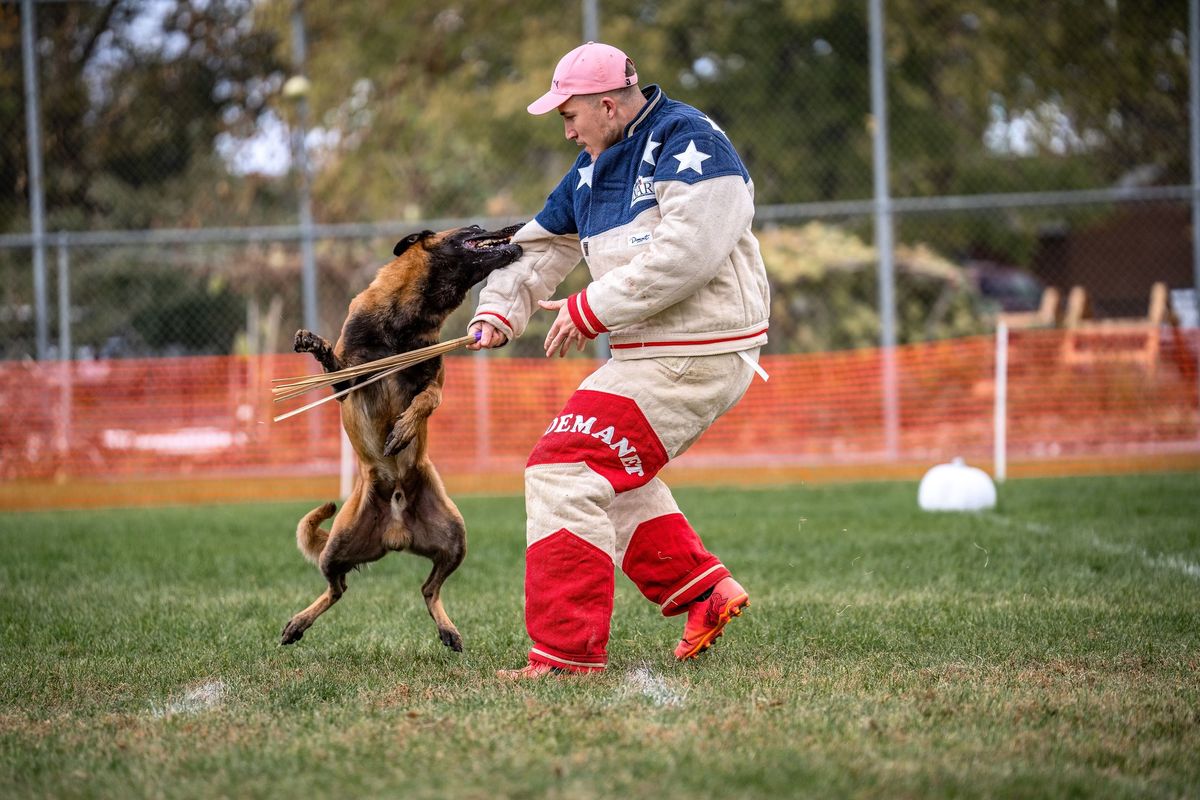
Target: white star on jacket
(585, 175)
(691, 158)
(651, 146)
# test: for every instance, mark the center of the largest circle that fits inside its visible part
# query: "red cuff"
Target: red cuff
(695, 583)
(544, 655)
(582, 315)
(507, 324)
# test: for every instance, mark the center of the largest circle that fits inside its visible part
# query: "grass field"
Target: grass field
(1047, 649)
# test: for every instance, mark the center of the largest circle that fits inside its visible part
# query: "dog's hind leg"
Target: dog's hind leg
(443, 565)
(438, 533)
(356, 539)
(294, 630)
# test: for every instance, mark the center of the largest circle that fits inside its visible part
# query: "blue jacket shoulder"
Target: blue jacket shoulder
(693, 146)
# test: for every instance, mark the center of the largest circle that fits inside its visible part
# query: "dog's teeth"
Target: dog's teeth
(486, 244)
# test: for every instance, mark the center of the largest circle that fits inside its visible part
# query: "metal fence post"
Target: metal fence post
(1194, 126)
(64, 298)
(1000, 412)
(308, 275)
(591, 21)
(37, 199)
(591, 33)
(66, 388)
(883, 233)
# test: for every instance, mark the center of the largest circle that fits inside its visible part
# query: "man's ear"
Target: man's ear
(409, 241)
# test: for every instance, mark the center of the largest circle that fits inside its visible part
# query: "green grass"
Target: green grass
(1046, 649)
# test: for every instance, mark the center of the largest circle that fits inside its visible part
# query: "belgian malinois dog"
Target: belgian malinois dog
(398, 501)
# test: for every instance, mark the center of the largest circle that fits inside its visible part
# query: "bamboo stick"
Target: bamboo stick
(371, 367)
(343, 392)
(289, 388)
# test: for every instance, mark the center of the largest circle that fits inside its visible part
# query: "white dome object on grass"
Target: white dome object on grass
(956, 487)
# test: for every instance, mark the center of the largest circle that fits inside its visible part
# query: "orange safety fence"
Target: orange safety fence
(211, 417)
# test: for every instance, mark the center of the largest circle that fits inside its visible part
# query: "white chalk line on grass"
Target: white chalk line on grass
(644, 681)
(1176, 563)
(1029, 527)
(202, 697)
(1171, 563)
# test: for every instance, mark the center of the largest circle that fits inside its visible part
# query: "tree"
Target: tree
(418, 109)
(427, 101)
(133, 97)
(420, 105)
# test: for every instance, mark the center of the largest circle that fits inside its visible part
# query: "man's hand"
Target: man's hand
(563, 331)
(487, 336)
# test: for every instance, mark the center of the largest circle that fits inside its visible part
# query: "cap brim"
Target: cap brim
(547, 102)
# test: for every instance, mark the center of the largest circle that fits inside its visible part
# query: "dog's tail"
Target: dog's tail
(310, 536)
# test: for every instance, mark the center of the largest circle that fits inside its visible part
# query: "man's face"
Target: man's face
(590, 123)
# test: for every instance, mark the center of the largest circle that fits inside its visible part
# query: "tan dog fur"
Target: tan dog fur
(398, 501)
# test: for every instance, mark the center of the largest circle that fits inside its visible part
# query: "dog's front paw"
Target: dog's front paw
(307, 342)
(395, 444)
(401, 436)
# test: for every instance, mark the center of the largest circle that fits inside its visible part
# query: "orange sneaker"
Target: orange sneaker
(707, 618)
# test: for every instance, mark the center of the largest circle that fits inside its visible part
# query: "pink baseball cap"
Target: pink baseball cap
(588, 69)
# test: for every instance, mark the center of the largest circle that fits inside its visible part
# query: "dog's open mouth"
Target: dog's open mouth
(491, 240)
(486, 243)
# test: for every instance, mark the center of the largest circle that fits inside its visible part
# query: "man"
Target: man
(660, 207)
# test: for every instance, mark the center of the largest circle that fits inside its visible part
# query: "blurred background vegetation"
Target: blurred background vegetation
(164, 114)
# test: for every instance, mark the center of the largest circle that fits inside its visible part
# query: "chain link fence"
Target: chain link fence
(1030, 146)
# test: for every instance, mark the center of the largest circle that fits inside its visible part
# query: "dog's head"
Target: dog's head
(460, 257)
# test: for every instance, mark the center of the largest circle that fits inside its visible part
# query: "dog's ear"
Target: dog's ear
(409, 241)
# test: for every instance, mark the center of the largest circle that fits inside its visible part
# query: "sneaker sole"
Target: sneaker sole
(732, 609)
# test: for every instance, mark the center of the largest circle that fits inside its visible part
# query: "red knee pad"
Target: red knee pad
(568, 601)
